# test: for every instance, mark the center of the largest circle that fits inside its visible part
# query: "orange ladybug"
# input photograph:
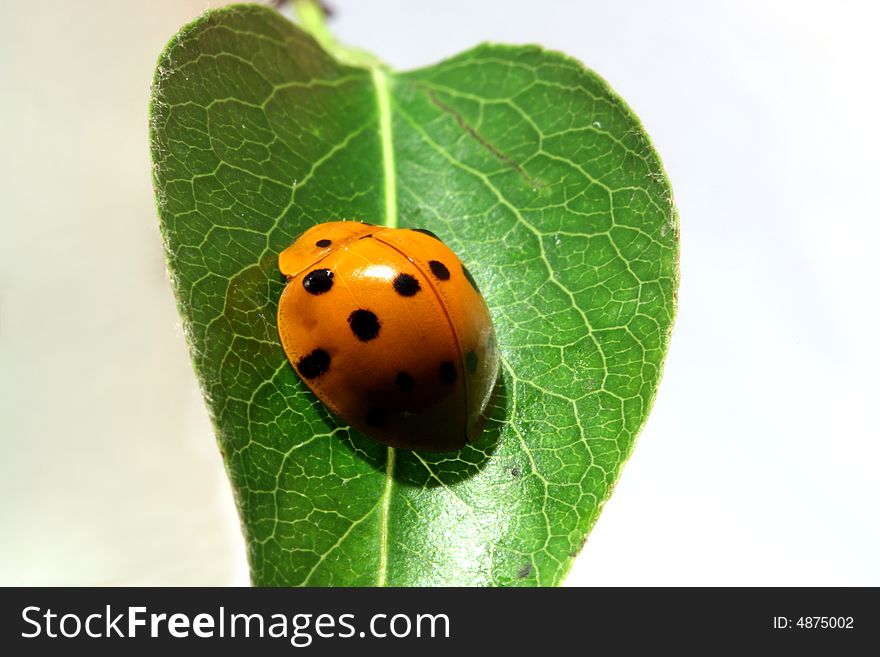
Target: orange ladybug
(389, 330)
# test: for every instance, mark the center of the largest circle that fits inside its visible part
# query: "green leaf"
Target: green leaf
(542, 180)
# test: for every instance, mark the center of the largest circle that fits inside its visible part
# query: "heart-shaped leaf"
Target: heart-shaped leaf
(541, 179)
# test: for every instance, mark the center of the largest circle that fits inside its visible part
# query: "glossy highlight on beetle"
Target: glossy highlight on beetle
(388, 328)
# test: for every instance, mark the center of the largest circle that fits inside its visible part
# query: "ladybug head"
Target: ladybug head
(318, 242)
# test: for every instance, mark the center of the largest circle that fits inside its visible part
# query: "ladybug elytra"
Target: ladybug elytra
(389, 330)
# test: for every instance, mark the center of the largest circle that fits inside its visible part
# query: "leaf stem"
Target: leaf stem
(313, 20)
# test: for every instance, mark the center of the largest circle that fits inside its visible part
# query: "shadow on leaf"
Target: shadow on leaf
(429, 469)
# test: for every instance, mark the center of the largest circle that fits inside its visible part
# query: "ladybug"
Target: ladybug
(389, 330)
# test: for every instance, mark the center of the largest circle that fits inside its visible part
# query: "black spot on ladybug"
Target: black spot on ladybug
(314, 365)
(471, 361)
(406, 285)
(425, 231)
(447, 372)
(405, 382)
(323, 243)
(377, 416)
(318, 281)
(364, 324)
(470, 279)
(439, 270)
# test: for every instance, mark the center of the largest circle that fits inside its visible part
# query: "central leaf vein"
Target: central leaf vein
(383, 103)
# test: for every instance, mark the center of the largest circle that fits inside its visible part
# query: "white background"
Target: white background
(758, 464)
